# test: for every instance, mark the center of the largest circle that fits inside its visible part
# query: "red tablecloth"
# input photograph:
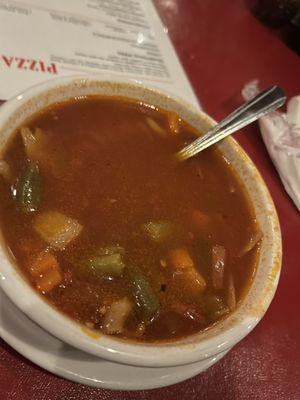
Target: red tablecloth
(221, 46)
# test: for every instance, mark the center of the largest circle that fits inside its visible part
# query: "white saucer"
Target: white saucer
(61, 359)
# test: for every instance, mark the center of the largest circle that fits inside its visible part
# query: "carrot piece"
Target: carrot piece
(193, 281)
(45, 262)
(46, 272)
(190, 277)
(49, 280)
(200, 220)
(218, 266)
(180, 258)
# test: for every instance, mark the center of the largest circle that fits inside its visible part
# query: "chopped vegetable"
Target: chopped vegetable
(174, 122)
(106, 261)
(252, 242)
(5, 170)
(188, 311)
(180, 259)
(182, 262)
(115, 317)
(218, 266)
(108, 265)
(200, 221)
(192, 281)
(48, 281)
(158, 231)
(144, 297)
(109, 250)
(45, 261)
(231, 295)
(155, 127)
(29, 139)
(214, 307)
(57, 229)
(46, 272)
(33, 142)
(28, 189)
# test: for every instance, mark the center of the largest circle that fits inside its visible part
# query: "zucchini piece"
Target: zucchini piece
(107, 265)
(158, 231)
(28, 189)
(109, 250)
(144, 297)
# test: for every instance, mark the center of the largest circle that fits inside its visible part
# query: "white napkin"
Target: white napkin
(281, 134)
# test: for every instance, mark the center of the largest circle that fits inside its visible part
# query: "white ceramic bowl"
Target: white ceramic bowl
(202, 346)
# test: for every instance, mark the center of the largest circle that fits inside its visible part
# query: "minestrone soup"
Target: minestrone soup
(117, 235)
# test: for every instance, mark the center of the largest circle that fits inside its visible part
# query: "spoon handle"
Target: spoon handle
(265, 102)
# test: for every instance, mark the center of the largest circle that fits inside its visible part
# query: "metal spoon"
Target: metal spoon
(265, 102)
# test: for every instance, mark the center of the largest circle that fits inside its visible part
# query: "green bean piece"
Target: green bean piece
(29, 188)
(144, 297)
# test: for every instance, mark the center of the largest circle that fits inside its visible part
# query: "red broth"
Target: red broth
(113, 232)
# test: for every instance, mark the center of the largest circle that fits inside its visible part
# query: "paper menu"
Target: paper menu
(41, 39)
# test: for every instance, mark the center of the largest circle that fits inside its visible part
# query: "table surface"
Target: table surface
(221, 46)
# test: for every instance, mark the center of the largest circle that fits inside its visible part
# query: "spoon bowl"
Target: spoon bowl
(266, 101)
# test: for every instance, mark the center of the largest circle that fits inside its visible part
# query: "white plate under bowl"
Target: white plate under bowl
(50, 353)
